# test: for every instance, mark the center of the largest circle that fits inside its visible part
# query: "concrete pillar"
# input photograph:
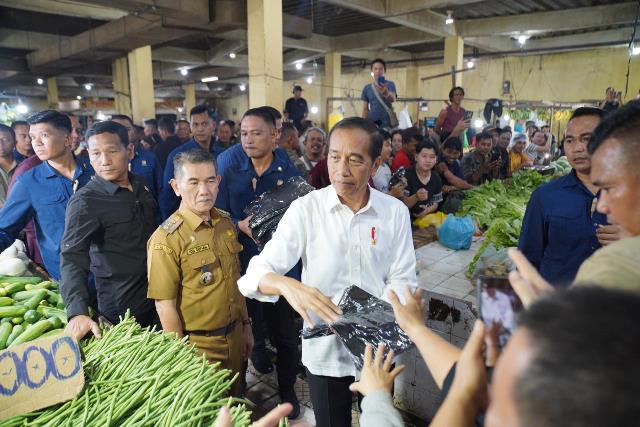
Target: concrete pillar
(264, 34)
(143, 105)
(332, 84)
(453, 56)
(122, 92)
(189, 98)
(412, 88)
(52, 93)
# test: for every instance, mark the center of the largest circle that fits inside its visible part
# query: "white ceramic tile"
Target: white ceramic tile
(444, 267)
(428, 279)
(453, 293)
(457, 284)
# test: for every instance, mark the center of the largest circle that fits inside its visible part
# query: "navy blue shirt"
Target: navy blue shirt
(235, 156)
(17, 156)
(559, 228)
(296, 109)
(168, 201)
(454, 168)
(146, 165)
(42, 194)
(236, 191)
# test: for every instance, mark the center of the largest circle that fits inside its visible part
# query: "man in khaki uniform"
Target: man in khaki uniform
(193, 268)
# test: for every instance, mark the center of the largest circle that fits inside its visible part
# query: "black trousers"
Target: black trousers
(331, 399)
(279, 320)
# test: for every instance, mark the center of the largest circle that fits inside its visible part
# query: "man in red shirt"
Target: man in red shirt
(405, 157)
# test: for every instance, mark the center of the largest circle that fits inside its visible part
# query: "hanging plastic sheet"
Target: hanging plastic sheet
(268, 209)
(365, 320)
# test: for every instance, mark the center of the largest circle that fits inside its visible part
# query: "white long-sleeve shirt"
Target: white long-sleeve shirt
(372, 249)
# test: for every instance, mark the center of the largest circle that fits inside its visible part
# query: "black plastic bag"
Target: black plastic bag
(270, 206)
(365, 320)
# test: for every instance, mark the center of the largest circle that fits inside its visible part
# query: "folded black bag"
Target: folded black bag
(365, 320)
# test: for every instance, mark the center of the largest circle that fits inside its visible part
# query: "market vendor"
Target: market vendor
(43, 192)
(261, 171)
(193, 268)
(108, 223)
(450, 172)
(478, 166)
(346, 234)
(561, 227)
(423, 183)
(517, 158)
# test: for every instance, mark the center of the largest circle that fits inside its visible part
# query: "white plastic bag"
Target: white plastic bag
(404, 119)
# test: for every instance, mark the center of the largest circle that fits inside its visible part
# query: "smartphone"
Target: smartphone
(468, 115)
(495, 154)
(499, 305)
(430, 122)
(381, 80)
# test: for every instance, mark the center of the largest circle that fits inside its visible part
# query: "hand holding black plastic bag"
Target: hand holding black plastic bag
(365, 320)
(270, 206)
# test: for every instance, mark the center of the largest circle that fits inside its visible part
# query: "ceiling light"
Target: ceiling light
(635, 50)
(88, 86)
(232, 55)
(371, 74)
(314, 109)
(184, 71)
(470, 64)
(478, 123)
(209, 79)
(40, 81)
(522, 39)
(78, 97)
(298, 65)
(180, 109)
(309, 80)
(21, 108)
(506, 117)
(242, 87)
(101, 116)
(449, 19)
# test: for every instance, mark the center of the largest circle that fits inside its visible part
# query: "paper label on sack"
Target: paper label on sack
(38, 374)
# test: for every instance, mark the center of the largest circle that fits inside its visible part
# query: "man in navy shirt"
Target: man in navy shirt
(23, 148)
(203, 129)
(43, 192)
(296, 109)
(561, 227)
(259, 172)
(373, 110)
(144, 162)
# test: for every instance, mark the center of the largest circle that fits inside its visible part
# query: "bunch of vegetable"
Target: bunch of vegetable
(140, 377)
(562, 166)
(29, 308)
(498, 207)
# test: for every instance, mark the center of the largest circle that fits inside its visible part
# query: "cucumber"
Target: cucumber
(5, 331)
(4, 301)
(25, 295)
(42, 285)
(12, 311)
(17, 320)
(52, 333)
(12, 288)
(17, 330)
(33, 302)
(32, 316)
(24, 279)
(32, 332)
(56, 322)
(6, 320)
(52, 312)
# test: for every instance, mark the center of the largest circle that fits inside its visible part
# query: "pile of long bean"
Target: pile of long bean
(138, 377)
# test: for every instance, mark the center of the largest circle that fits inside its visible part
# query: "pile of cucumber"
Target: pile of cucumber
(30, 308)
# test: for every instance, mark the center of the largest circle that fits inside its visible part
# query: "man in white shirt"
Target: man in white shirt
(346, 234)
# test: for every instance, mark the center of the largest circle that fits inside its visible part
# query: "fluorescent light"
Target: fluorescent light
(309, 80)
(242, 87)
(635, 50)
(298, 65)
(184, 71)
(101, 116)
(232, 55)
(40, 81)
(78, 97)
(180, 109)
(522, 39)
(314, 109)
(209, 79)
(470, 64)
(21, 108)
(506, 117)
(449, 19)
(88, 86)
(478, 123)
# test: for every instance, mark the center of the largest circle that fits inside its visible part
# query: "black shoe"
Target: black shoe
(290, 397)
(261, 362)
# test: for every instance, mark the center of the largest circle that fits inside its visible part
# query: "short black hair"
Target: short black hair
(452, 143)
(623, 125)
(261, 112)
(505, 130)
(385, 135)
(193, 156)
(226, 123)
(428, 145)
(395, 132)
(274, 112)
(18, 123)
(483, 135)
(109, 126)
(54, 118)
(184, 121)
(286, 130)
(453, 90)
(8, 130)
(151, 122)
(585, 350)
(410, 133)
(167, 124)
(122, 117)
(587, 111)
(381, 61)
(199, 109)
(375, 137)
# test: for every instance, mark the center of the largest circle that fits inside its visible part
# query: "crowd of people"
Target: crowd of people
(151, 219)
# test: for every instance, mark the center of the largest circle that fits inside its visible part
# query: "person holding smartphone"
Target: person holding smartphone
(423, 183)
(378, 96)
(454, 119)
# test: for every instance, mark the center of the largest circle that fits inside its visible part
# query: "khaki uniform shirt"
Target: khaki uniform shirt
(196, 262)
